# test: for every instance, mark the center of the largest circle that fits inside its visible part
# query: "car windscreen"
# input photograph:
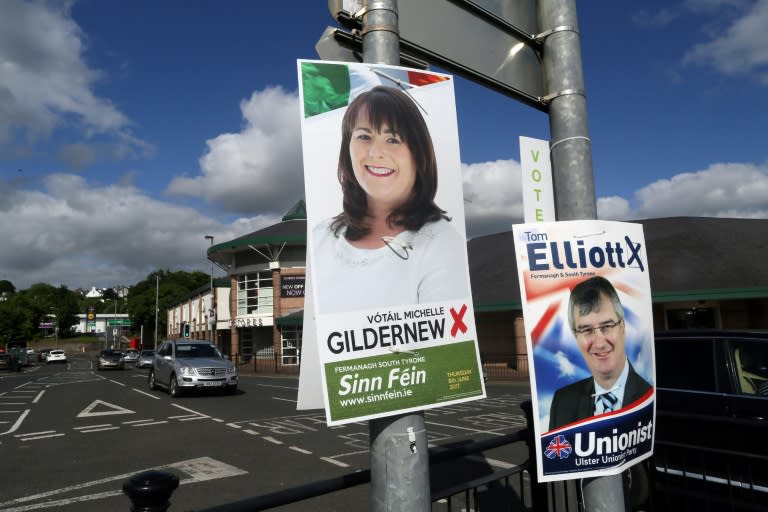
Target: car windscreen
(196, 350)
(111, 353)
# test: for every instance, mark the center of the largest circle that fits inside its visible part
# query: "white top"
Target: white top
(429, 265)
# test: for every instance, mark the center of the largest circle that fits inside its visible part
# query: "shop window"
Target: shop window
(290, 345)
(255, 294)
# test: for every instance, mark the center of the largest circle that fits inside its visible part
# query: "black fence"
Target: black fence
(678, 478)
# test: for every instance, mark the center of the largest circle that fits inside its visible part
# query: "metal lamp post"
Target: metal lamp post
(55, 326)
(212, 309)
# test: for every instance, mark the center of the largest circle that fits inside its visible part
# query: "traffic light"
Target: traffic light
(185, 330)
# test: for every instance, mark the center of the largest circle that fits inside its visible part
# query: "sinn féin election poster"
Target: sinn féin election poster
(586, 301)
(386, 241)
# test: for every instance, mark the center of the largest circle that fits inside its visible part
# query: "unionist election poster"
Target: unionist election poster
(586, 302)
(386, 242)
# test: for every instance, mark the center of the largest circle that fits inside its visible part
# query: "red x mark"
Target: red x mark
(458, 323)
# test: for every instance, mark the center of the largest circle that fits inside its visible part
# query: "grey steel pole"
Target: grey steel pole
(157, 309)
(571, 154)
(570, 145)
(398, 444)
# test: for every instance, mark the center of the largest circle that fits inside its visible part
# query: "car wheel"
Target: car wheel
(173, 387)
(152, 383)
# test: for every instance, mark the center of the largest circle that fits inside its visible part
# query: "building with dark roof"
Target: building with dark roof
(705, 272)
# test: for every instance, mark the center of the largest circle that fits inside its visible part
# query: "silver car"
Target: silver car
(145, 359)
(181, 365)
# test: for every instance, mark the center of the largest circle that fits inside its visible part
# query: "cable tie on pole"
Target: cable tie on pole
(576, 137)
(562, 28)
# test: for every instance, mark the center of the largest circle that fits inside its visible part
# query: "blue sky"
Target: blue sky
(129, 130)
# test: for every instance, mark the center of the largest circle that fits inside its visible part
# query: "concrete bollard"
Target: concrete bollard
(150, 491)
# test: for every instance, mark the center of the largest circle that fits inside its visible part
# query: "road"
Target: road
(70, 436)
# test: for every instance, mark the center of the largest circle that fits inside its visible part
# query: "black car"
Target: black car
(711, 421)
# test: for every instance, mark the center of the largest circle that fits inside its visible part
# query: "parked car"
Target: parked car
(42, 354)
(130, 356)
(711, 419)
(56, 356)
(180, 365)
(5, 361)
(110, 358)
(145, 359)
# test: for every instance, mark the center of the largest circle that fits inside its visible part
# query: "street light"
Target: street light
(55, 325)
(212, 313)
(157, 309)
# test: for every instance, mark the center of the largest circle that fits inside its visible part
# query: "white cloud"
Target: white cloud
(741, 48)
(722, 190)
(613, 208)
(258, 169)
(493, 197)
(80, 235)
(45, 83)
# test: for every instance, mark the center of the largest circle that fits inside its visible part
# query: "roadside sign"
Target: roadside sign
(119, 321)
(496, 47)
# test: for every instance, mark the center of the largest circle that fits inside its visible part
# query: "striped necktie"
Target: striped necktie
(607, 400)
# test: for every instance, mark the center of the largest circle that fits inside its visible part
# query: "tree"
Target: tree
(6, 288)
(171, 289)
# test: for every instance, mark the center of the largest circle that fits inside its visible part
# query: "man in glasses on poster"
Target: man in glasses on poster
(596, 319)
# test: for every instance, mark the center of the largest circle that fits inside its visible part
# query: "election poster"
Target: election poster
(586, 301)
(392, 310)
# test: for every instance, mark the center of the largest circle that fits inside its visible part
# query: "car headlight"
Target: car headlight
(231, 371)
(102, 360)
(186, 370)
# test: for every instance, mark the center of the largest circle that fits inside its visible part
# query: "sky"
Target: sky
(131, 130)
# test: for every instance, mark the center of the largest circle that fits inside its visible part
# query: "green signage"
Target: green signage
(118, 322)
(388, 383)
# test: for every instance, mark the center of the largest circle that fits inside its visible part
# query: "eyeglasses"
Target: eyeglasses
(607, 329)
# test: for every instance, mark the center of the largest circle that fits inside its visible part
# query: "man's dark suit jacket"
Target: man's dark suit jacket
(575, 401)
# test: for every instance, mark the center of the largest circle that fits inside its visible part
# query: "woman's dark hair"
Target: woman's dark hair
(390, 106)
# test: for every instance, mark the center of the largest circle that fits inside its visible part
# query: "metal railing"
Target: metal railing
(515, 486)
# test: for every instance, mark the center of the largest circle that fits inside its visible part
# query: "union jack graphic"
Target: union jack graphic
(558, 447)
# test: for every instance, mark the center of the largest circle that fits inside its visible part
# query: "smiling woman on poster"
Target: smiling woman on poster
(392, 244)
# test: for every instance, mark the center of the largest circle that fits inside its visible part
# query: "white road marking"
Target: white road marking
(193, 418)
(300, 450)
(115, 409)
(284, 399)
(332, 461)
(116, 382)
(198, 470)
(38, 397)
(252, 432)
(146, 394)
(40, 437)
(190, 410)
(93, 426)
(272, 440)
(35, 433)
(294, 388)
(98, 430)
(16, 425)
(147, 424)
(234, 425)
(137, 421)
